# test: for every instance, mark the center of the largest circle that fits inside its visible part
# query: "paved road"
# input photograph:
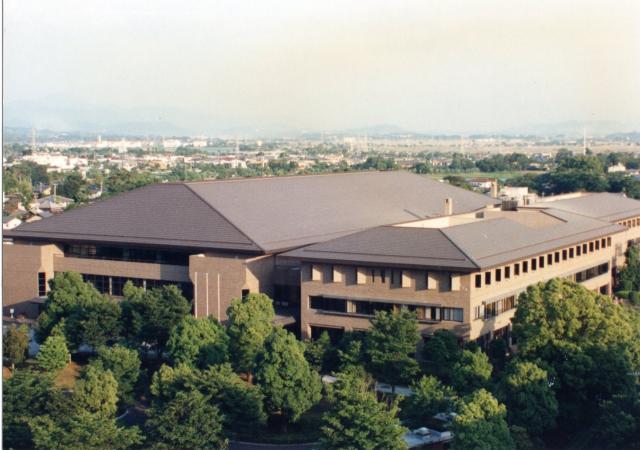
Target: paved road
(251, 446)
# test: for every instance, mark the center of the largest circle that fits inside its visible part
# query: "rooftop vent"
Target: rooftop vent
(509, 204)
(448, 206)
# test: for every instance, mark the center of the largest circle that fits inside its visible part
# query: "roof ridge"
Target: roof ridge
(289, 176)
(456, 245)
(210, 206)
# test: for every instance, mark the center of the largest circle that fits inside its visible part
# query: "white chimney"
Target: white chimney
(448, 206)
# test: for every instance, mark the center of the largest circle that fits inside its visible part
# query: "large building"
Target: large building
(329, 249)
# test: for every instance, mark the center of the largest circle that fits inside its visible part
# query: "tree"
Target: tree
(15, 345)
(429, 398)
(389, 345)
(73, 187)
(586, 343)
(239, 402)
(530, 402)
(321, 353)
(149, 316)
(198, 342)
(97, 391)
(67, 290)
(82, 431)
(250, 322)
(440, 353)
(629, 278)
(356, 420)
(94, 322)
(53, 355)
(26, 394)
(472, 372)
(187, 422)
(350, 352)
(289, 385)
(481, 424)
(124, 365)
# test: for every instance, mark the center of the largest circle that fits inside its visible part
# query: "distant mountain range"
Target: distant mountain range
(57, 115)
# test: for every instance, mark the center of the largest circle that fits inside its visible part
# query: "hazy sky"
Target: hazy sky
(422, 65)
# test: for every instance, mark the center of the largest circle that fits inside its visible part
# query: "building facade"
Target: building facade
(329, 249)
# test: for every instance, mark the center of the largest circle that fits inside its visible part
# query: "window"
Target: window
(516, 269)
(42, 284)
(549, 259)
(571, 252)
(579, 250)
(608, 242)
(541, 262)
(421, 311)
(556, 257)
(564, 254)
(525, 266)
(383, 276)
(373, 275)
(245, 293)
(328, 304)
(370, 308)
(498, 275)
(334, 333)
(478, 281)
(597, 245)
(507, 272)
(487, 278)
(452, 314)
(495, 307)
(590, 247)
(534, 264)
(584, 249)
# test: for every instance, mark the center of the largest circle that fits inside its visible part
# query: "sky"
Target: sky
(428, 66)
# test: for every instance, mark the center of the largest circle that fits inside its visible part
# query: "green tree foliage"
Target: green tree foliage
(97, 391)
(629, 277)
(187, 422)
(124, 180)
(357, 420)
(530, 401)
(587, 344)
(149, 316)
(82, 431)
(25, 395)
(15, 345)
(66, 293)
(481, 424)
(94, 322)
(390, 344)
(73, 186)
(376, 163)
(321, 354)
(53, 355)
(429, 398)
(198, 342)
(350, 351)
(124, 365)
(472, 371)
(289, 385)
(440, 353)
(250, 322)
(503, 163)
(239, 402)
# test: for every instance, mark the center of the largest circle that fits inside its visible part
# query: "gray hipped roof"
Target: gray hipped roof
(603, 205)
(471, 246)
(257, 214)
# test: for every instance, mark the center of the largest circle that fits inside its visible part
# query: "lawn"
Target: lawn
(68, 376)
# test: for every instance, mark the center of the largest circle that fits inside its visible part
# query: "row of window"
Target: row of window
(132, 254)
(590, 273)
(495, 308)
(540, 262)
(631, 222)
(395, 278)
(114, 285)
(369, 308)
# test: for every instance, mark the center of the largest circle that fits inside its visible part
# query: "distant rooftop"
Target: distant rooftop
(602, 205)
